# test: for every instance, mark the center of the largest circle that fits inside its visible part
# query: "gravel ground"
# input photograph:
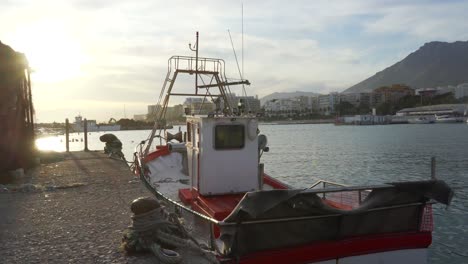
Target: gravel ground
(76, 212)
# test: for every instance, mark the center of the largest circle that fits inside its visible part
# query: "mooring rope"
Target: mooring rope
(162, 233)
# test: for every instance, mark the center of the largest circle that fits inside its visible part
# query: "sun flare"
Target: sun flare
(53, 54)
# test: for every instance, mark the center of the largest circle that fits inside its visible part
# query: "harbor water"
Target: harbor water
(355, 155)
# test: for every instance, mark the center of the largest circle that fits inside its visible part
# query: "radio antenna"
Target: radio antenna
(242, 40)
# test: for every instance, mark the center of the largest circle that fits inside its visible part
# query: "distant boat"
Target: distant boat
(421, 120)
(78, 126)
(446, 119)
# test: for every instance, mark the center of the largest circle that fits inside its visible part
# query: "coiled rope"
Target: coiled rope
(163, 234)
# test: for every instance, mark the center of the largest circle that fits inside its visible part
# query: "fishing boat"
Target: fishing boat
(213, 178)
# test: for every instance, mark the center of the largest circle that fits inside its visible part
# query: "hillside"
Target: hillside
(434, 64)
(285, 95)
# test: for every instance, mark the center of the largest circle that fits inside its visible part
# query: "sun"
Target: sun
(53, 53)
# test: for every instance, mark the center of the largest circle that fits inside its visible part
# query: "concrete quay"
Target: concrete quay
(71, 211)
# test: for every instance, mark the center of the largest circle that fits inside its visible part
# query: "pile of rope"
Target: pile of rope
(113, 146)
(154, 229)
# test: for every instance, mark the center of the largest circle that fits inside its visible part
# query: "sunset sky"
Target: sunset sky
(97, 57)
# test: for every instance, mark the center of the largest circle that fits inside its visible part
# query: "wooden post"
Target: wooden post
(433, 168)
(85, 131)
(67, 137)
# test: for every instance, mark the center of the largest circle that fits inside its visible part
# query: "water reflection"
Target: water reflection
(54, 143)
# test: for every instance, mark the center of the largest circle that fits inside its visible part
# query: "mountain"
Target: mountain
(434, 64)
(285, 95)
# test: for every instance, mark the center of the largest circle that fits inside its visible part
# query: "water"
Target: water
(302, 154)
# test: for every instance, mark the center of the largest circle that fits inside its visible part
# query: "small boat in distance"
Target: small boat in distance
(213, 178)
(447, 119)
(422, 120)
(78, 125)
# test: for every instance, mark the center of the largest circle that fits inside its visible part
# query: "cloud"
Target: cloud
(444, 20)
(319, 46)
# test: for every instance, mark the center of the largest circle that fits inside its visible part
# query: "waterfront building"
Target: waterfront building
(200, 106)
(175, 112)
(355, 99)
(391, 94)
(441, 109)
(426, 92)
(446, 90)
(300, 105)
(461, 91)
(327, 103)
(282, 107)
(172, 112)
(250, 104)
(314, 104)
(430, 92)
(141, 117)
(305, 105)
(271, 106)
(152, 109)
(363, 120)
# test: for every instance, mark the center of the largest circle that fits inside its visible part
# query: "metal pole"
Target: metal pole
(31, 110)
(196, 66)
(433, 168)
(67, 138)
(85, 131)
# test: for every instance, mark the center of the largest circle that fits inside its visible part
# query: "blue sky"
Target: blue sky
(95, 57)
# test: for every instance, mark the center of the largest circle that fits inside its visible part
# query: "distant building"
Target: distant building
(199, 106)
(356, 99)
(328, 102)
(283, 107)
(314, 104)
(442, 109)
(389, 94)
(152, 109)
(175, 112)
(427, 92)
(140, 117)
(461, 91)
(172, 112)
(251, 104)
(363, 120)
(446, 90)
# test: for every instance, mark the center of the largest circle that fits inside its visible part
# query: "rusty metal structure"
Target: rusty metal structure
(16, 111)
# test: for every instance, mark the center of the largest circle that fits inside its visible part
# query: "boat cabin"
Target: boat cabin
(222, 154)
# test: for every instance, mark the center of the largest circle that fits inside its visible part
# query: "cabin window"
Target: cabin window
(229, 137)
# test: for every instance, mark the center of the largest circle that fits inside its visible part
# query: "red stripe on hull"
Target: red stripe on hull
(339, 249)
(160, 151)
(274, 182)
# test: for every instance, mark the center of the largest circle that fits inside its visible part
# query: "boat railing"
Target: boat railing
(191, 65)
(350, 197)
(318, 191)
(331, 191)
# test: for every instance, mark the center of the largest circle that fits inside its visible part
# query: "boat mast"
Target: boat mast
(195, 48)
(208, 66)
